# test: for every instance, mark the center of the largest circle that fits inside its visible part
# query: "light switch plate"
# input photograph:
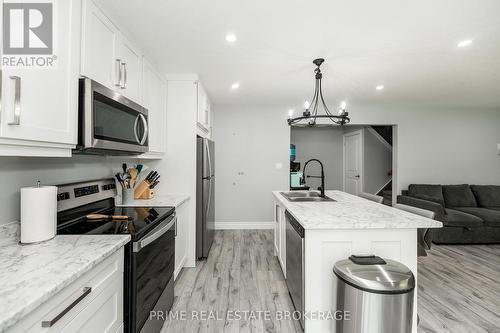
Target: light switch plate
(279, 165)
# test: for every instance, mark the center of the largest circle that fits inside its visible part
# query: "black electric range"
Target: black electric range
(149, 257)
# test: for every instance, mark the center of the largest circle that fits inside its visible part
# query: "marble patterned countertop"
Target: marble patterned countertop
(160, 200)
(352, 212)
(32, 274)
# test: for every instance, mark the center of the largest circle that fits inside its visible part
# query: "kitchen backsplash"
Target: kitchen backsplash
(17, 172)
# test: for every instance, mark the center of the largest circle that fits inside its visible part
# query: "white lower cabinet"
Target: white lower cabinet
(181, 239)
(280, 235)
(93, 303)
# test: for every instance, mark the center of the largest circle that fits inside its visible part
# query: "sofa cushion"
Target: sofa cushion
(487, 195)
(455, 218)
(427, 192)
(458, 196)
(489, 216)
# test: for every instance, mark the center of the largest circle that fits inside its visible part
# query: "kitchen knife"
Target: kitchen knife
(155, 178)
(149, 175)
(153, 175)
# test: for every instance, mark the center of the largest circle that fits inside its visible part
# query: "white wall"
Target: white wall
(377, 162)
(434, 146)
(249, 141)
(17, 172)
(325, 144)
(441, 146)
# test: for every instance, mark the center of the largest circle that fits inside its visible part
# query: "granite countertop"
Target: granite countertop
(32, 274)
(160, 200)
(352, 212)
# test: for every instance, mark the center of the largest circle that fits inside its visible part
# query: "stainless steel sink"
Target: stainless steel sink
(304, 196)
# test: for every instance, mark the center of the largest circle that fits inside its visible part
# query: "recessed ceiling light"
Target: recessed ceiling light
(379, 87)
(231, 38)
(464, 43)
(235, 86)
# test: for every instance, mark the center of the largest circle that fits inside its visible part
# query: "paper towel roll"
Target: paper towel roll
(38, 213)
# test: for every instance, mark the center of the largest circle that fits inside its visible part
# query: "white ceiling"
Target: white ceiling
(408, 46)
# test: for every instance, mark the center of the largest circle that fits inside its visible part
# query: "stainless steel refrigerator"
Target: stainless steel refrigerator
(205, 199)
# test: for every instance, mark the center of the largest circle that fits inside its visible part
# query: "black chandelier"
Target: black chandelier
(310, 115)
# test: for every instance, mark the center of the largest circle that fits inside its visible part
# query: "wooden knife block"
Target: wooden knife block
(148, 194)
(143, 191)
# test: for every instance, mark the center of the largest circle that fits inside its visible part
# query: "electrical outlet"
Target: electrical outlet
(279, 165)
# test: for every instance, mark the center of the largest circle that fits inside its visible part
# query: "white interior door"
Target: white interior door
(353, 162)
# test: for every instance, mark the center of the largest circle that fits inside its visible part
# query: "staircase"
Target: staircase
(386, 192)
(385, 132)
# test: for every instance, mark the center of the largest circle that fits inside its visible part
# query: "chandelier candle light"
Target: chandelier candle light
(310, 115)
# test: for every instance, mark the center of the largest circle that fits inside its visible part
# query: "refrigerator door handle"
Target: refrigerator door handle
(208, 157)
(209, 199)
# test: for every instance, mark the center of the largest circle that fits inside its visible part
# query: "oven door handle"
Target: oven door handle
(157, 233)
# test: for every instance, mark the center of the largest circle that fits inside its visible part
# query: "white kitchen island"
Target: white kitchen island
(333, 231)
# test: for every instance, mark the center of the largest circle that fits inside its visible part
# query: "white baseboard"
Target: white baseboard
(243, 225)
(179, 267)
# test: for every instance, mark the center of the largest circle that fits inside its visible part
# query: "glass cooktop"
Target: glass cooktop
(140, 220)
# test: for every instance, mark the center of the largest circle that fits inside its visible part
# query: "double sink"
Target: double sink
(305, 196)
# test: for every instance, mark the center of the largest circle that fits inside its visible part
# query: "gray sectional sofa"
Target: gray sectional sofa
(470, 213)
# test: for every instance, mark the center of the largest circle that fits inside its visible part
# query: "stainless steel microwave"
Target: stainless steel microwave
(110, 123)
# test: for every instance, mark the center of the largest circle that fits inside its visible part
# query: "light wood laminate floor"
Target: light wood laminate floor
(459, 288)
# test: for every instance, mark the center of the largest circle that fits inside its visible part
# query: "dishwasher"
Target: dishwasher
(295, 263)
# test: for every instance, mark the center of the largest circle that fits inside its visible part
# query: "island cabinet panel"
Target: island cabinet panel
(323, 248)
(280, 235)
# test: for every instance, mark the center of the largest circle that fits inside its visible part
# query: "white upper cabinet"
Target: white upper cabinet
(204, 116)
(39, 104)
(155, 100)
(131, 69)
(100, 39)
(108, 57)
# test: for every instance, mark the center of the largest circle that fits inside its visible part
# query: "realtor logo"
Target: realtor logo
(28, 35)
(27, 28)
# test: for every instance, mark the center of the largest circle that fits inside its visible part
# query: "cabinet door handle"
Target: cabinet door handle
(124, 84)
(118, 72)
(50, 323)
(17, 100)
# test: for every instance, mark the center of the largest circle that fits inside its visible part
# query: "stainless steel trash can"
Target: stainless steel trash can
(375, 294)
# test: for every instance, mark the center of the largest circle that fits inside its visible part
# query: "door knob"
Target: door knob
(357, 176)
